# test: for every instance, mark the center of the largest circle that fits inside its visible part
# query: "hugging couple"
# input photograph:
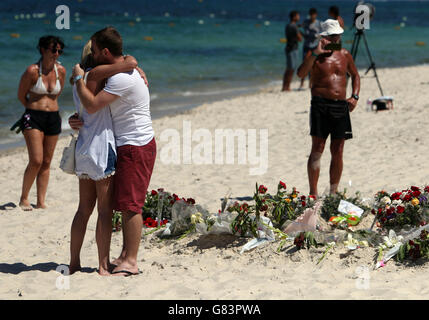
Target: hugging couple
(115, 149)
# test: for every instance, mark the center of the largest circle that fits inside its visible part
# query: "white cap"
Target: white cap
(330, 27)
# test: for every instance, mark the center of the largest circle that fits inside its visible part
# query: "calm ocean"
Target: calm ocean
(193, 50)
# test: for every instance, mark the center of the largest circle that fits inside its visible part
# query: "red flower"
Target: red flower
(264, 207)
(414, 188)
(190, 201)
(176, 197)
(423, 223)
(427, 189)
(407, 197)
(373, 211)
(282, 185)
(262, 189)
(160, 189)
(380, 211)
(312, 197)
(390, 210)
(416, 194)
(303, 203)
(302, 198)
(400, 209)
(154, 193)
(396, 195)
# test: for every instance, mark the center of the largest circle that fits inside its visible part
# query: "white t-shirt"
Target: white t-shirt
(132, 122)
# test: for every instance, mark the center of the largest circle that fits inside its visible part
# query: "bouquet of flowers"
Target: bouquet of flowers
(331, 214)
(288, 206)
(407, 207)
(415, 249)
(159, 203)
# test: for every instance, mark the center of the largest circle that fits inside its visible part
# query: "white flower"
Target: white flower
(295, 199)
(396, 202)
(385, 200)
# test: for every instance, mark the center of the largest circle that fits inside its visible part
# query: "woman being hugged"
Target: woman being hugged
(95, 162)
(39, 89)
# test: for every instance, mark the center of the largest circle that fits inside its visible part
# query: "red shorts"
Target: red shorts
(133, 171)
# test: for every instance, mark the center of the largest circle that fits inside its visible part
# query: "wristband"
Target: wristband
(77, 78)
(313, 54)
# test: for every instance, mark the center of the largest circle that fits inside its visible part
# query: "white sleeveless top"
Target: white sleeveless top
(95, 141)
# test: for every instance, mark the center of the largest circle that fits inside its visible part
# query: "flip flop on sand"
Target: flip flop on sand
(127, 273)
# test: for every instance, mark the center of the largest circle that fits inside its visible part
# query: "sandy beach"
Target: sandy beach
(389, 151)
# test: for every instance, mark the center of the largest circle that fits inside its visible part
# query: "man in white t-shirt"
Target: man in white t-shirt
(129, 101)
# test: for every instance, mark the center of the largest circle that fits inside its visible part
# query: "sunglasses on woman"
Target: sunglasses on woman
(55, 50)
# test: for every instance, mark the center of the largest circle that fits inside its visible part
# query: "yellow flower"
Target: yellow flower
(287, 200)
(294, 195)
(197, 218)
(415, 202)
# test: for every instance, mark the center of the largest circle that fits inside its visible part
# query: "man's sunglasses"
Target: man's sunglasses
(54, 50)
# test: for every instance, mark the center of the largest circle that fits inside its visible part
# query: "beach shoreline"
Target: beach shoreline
(388, 151)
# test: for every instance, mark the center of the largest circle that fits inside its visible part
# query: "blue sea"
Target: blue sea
(193, 51)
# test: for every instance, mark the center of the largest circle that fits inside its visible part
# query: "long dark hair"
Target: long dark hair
(46, 41)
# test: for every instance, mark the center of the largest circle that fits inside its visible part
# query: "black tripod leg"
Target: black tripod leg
(372, 66)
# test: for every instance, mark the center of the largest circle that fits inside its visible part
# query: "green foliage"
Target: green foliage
(331, 203)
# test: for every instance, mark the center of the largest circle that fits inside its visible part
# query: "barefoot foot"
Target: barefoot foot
(25, 205)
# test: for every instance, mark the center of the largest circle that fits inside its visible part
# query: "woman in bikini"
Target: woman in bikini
(95, 162)
(39, 89)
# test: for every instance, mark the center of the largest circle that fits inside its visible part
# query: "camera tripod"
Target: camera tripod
(358, 35)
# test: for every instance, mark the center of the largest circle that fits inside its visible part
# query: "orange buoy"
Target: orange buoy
(148, 38)
(420, 43)
(257, 25)
(171, 24)
(283, 40)
(15, 35)
(131, 24)
(77, 37)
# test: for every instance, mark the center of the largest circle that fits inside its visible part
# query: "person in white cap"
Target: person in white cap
(330, 110)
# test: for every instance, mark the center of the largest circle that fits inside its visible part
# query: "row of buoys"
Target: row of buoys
(29, 16)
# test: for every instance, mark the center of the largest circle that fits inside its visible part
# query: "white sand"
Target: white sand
(389, 151)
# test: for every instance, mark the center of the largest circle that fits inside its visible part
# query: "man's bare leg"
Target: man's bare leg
(132, 229)
(287, 79)
(313, 164)
(123, 254)
(336, 167)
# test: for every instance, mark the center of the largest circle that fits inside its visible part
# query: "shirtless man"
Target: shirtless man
(329, 112)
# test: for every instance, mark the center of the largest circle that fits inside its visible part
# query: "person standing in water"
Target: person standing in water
(39, 89)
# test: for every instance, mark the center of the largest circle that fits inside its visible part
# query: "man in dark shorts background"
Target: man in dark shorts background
(127, 96)
(312, 28)
(330, 111)
(293, 36)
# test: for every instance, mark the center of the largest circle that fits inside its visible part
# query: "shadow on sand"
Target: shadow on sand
(17, 268)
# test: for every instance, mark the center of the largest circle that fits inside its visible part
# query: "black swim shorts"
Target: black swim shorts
(330, 117)
(47, 122)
